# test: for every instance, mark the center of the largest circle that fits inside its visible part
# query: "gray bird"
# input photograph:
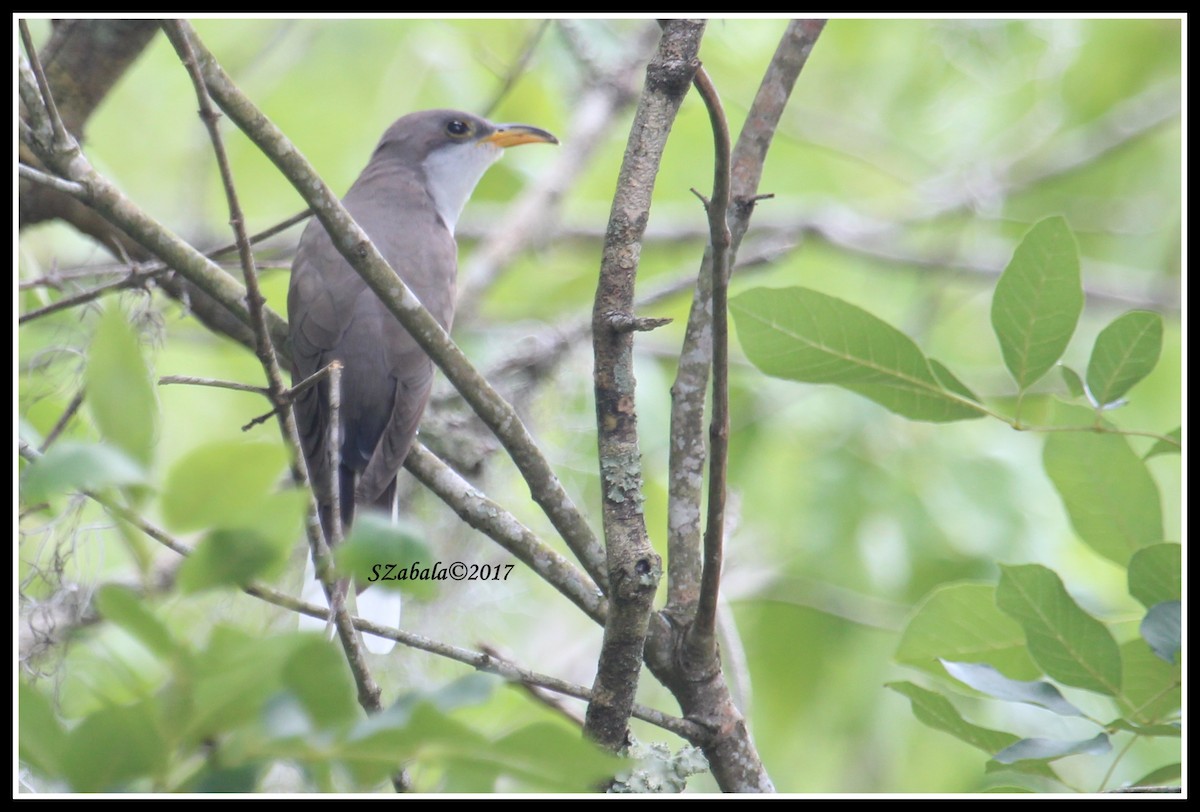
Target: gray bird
(407, 199)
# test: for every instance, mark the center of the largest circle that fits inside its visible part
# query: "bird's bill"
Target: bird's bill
(511, 135)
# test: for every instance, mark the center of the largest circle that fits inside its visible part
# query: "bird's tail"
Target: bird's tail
(379, 606)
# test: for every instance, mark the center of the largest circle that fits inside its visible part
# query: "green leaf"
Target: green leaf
(375, 543)
(1156, 574)
(1163, 447)
(1151, 687)
(71, 465)
(1073, 381)
(961, 622)
(1160, 776)
(233, 677)
(1038, 300)
(1048, 749)
(235, 556)
(228, 558)
(1109, 494)
(935, 710)
(41, 740)
(552, 758)
(1125, 352)
(129, 610)
(317, 675)
(114, 746)
(1071, 645)
(119, 388)
(221, 485)
(1162, 629)
(803, 335)
(1168, 730)
(984, 678)
(241, 778)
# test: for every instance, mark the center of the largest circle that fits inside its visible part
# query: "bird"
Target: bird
(408, 200)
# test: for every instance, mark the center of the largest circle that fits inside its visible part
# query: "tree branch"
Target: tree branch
(702, 640)
(633, 566)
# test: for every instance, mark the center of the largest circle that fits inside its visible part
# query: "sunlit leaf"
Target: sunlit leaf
(221, 484)
(40, 736)
(1164, 447)
(961, 622)
(129, 611)
(119, 389)
(317, 674)
(1109, 494)
(983, 677)
(1125, 352)
(71, 465)
(114, 746)
(1071, 645)
(1072, 380)
(1160, 776)
(1038, 300)
(391, 556)
(1151, 689)
(804, 335)
(1156, 574)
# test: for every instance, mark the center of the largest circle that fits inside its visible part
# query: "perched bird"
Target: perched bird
(408, 200)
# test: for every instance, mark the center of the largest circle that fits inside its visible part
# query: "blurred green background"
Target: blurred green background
(912, 155)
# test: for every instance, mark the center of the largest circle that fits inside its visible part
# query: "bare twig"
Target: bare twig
(63, 420)
(517, 69)
(189, 380)
(702, 639)
(62, 139)
(58, 184)
(633, 566)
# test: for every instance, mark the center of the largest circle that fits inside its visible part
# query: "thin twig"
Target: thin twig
(702, 636)
(189, 380)
(63, 419)
(517, 70)
(62, 139)
(58, 184)
(136, 277)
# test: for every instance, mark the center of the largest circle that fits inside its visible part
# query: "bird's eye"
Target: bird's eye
(458, 128)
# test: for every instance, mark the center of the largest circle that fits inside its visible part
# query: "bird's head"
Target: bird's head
(453, 149)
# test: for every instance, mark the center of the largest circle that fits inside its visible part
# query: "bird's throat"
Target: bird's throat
(451, 174)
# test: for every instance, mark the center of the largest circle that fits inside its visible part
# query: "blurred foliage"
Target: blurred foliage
(912, 159)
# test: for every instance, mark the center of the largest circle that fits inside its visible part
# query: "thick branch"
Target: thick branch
(633, 566)
(491, 519)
